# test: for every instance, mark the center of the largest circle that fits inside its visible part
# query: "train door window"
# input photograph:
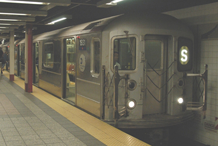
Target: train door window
(153, 54)
(36, 63)
(95, 57)
(36, 48)
(48, 60)
(70, 45)
(71, 56)
(21, 58)
(124, 55)
(22, 54)
(16, 59)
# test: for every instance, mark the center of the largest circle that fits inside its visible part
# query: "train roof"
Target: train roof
(73, 30)
(148, 22)
(93, 26)
(50, 34)
(145, 23)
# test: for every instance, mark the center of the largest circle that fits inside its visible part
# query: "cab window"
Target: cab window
(124, 55)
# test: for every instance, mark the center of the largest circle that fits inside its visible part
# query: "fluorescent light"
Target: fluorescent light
(114, 2)
(24, 2)
(5, 24)
(61, 19)
(22, 14)
(9, 20)
(3, 27)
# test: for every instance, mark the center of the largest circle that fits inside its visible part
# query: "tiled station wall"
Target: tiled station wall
(205, 130)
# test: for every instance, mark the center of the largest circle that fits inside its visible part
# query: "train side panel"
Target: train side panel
(88, 78)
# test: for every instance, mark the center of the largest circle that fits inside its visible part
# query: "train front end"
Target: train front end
(145, 83)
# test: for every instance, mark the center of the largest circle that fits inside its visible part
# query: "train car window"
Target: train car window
(125, 53)
(71, 57)
(95, 60)
(48, 60)
(153, 51)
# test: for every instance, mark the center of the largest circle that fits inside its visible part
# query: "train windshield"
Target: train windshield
(125, 53)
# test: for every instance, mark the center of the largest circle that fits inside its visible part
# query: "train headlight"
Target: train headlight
(180, 100)
(131, 103)
(131, 85)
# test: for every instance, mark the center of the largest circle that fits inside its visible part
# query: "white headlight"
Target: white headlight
(180, 100)
(131, 103)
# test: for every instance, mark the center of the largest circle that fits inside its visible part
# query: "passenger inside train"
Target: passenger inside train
(116, 60)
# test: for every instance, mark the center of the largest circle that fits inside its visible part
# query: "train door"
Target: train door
(155, 75)
(35, 63)
(70, 64)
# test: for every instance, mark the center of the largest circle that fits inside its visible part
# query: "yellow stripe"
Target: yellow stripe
(102, 131)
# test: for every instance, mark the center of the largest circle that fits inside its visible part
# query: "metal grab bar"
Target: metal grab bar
(117, 79)
(197, 105)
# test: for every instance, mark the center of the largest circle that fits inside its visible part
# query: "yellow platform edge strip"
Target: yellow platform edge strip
(102, 131)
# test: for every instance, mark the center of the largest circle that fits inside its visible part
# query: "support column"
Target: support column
(28, 60)
(11, 56)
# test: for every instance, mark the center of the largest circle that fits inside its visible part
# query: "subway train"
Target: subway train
(128, 70)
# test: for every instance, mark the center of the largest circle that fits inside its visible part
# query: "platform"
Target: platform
(40, 119)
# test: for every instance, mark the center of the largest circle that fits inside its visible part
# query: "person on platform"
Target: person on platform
(2, 60)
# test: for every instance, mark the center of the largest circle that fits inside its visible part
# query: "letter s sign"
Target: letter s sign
(184, 55)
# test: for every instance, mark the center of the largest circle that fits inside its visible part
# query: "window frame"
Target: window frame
(92, 66)
(45, 43)
(67, 53)
(162, 54)
(112, 53)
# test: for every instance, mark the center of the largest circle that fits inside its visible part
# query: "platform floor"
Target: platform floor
(40, 119)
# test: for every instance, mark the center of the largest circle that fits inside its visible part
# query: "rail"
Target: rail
(117, 78)
(199, 105)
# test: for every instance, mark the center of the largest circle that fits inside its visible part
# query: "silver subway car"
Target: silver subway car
(128, 70)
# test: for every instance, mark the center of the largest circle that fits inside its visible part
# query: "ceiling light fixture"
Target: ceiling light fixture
(9, 20)
(5, 24)
(21, 14)
(114, 2)
(3, 27)
(58, 20)
(23, 2)
(108, 3)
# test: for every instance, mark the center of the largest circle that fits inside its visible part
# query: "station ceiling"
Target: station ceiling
(77, 12)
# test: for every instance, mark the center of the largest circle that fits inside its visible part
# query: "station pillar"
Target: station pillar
(11, 61)
(28, 59)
